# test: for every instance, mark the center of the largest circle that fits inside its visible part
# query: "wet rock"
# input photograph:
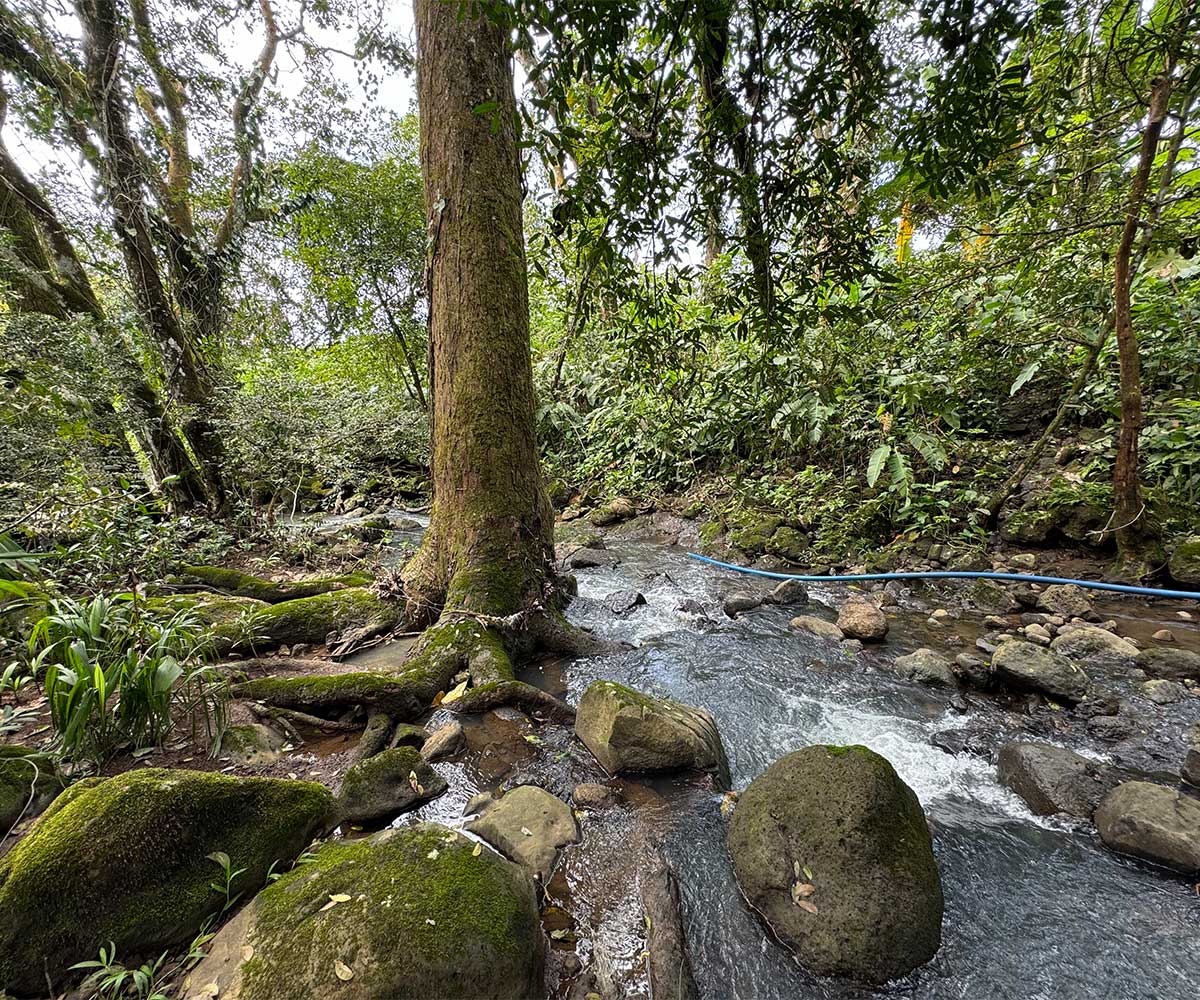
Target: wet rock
(690, 606)
(594, 796)
(817, 626)
(1163, 635)
(253, 743)
(833, 850)
(29, 782)
(669, 969)
(991, 642)
(862, 620)
(973, 671)
(1027, 667)
(406, 734)
(108, 862)
(445, 741)
(617, 509)
(1152, 822)
(1025, 595)
(388, 784)
(735, 604)
(1066, 599)
(1097, 703)
(529, 826)
(1037, 633)
(575, 556)
(1171, 663)
(1053, 780)
(622, 602)
(1163, 692)
(1190, 772)
(1111, 728)
(788, 592)
(1184, 561)
(1094, 646)
(926, 667)
(626, 730)
(421, 914)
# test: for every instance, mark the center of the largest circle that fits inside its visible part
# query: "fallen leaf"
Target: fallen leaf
(455, 692)
(247, 953)
(806, 906)
(525, 831)
(478, 850)
(211, 990)
(430, 922)
(560, 935)
(334, 899)
(432, 855)
(343, 971)
(807, 872)
(802, 890)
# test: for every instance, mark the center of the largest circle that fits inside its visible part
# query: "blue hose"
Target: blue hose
(1119, 588)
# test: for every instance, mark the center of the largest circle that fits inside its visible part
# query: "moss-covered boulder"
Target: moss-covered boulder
(126, 860)
(1184, 561)
(832, 849)
(239, 584)
(383, 786)
(311, 619)
(252, 743)
(29, 782)
(629, 731)
(789, 543)
(417, 912)
(753, 532)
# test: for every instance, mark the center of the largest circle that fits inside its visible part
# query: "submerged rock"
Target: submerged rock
(629, 731)
(1094, 646)
(29, 782)
(416, 912)
(832, 849)
(528, 825)
(126, 860)
(860, 619)
(1030, 668)
(818, 627)
(1169, 662)
(445, 741)
(1163, 692)
(1053, 780)
(926, 667)
(594, 796)
(1152, 822)
(388, 784)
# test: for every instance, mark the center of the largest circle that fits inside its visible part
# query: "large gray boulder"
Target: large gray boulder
(1054, 780)
(418, 912)
(391, 782)
(629, 731)
(859, 619)
(832, 849)
(1094, 646)
(528, 825)
(127, 860)
(926, 667)
(1066, 599)
(1152, 822)
(1027, 667)
(1170, 662)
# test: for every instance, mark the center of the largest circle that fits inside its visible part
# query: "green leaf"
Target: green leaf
(1025, 375)
(875, 464)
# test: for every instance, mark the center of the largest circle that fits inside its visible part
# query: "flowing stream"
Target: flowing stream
(1035, 908)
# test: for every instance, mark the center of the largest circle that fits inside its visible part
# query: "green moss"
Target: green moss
(226, 617)
(125, 861)
(427, 913)
(391, 693)
(241, 584)
(710, 531)
(311, 619)
(496, 587)
(753, 532)
(625, 695)
(29, 782)
(788, 543)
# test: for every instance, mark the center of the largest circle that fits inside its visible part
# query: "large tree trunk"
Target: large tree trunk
(489, 546)
(1128, 507)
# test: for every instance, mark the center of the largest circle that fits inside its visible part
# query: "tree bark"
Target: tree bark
(489, 545)
(1128, 506)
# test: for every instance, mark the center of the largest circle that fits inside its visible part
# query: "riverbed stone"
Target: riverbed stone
(817, 626)
(859, 619)
(1184, 561)
(29, 781)
(735, 604)
(1152, 822)
(252, 743)
(1027, 667)
(1170, 662)
(445, 741)
(627, 730)
(1190, 771)
(1094, 646)
(592, 795)
(1066, 599)
(617, 509)
(832, 849)
(926, 667)
(1163, 692)
(417, 911)
(126, 860)
(388, 784)
(788, 592)
(1054, 780)
(529, 826)
(622, 602)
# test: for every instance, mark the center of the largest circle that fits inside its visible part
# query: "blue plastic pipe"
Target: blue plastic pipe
(1119, 588)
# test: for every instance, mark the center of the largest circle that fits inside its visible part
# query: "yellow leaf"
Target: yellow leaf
(343, 971)
(247, 953)
(455, 692)
(478, 850)
(334, 899)
(432, 855)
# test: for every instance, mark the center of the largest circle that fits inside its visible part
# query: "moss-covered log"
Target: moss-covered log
(239, 584)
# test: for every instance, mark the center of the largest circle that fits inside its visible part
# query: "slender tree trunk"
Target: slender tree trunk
(1128, 507)
(489, 545)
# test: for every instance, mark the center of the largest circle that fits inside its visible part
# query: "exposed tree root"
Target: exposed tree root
(288, 716)
(374, 737)
(518, 694)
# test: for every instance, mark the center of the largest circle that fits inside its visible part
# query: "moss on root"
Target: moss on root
(124, 860)
(227, 618)
(311, 619)
(239, 584)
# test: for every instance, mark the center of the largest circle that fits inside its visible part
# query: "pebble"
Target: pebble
(1185, 615)
(1163, 635)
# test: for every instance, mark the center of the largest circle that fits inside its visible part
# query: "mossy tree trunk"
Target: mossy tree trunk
(489, 546)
